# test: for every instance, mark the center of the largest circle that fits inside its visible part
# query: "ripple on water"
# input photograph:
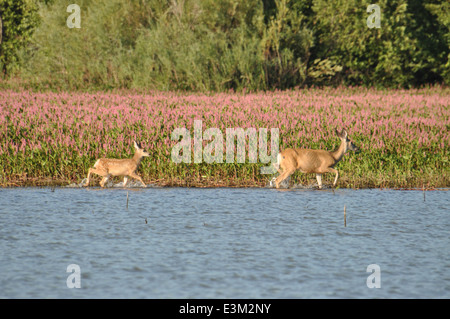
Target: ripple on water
(223, 243)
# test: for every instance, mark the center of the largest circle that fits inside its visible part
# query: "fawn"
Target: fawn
(312, 161)
(107, 167)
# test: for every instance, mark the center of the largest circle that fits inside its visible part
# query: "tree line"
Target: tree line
(219, 45)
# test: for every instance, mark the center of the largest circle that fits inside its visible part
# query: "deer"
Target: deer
(108, 167)
(313, 161)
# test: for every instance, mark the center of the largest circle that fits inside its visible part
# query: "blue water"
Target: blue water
(223, 243)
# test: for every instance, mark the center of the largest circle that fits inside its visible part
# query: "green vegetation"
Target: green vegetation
(139, 69)
(218, 45)
(48, 138)
(18, 20)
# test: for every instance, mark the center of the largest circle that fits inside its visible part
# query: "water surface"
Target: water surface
(223, 243)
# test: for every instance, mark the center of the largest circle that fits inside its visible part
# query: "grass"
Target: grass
(49, 138)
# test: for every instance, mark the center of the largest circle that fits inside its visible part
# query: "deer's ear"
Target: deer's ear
(344, 133)
(339, 134)
(135, 145)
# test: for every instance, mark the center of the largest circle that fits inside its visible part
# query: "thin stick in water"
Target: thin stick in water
(345, 216)
(127, 200)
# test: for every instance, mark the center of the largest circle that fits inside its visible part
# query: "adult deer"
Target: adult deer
(108, 167)
(312, 161)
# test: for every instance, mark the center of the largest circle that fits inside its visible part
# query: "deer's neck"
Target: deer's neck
(137, 159)
(339, 153)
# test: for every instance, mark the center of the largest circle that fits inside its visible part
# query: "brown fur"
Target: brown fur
(107, 167)
(313, 161)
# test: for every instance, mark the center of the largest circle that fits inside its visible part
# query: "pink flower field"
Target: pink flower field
(403, 134)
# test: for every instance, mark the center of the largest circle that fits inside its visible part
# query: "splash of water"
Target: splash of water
(110, 184)
(285, 184)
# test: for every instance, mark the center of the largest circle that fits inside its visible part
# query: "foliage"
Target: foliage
(19, 19)
(403, 134)
(287, 44)
(218, 45)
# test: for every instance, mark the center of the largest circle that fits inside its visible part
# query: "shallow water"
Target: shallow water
(223, 243)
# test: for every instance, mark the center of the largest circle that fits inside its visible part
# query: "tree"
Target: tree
(287, 43)
(19, 19)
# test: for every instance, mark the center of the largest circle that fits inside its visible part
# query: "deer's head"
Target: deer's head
(349, 146)
(139, 150)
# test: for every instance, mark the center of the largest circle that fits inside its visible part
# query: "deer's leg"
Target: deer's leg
(332, 170)
(125, 180)
(283, 176)
(319, 180)
(104, 180)
(277, 166)
(95, 171)
(88, 177)
(133, 175)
